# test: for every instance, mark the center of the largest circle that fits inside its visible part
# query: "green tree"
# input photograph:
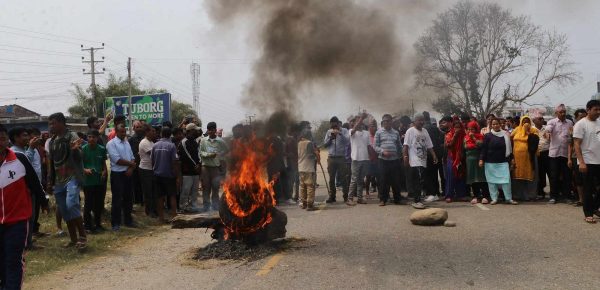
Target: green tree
(181, 110)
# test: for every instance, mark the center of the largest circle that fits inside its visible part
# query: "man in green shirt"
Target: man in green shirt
(94, 170)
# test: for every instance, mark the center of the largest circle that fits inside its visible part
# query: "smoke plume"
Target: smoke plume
(331, 44)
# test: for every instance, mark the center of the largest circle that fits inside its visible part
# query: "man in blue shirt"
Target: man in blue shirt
(122, 164)
(165, 165)
(337, 140)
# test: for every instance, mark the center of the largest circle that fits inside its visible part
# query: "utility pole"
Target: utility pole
(129, 108)
(195, 73)
(250, 118)
(93, 72)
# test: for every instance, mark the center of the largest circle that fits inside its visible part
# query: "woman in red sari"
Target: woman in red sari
(455, 168)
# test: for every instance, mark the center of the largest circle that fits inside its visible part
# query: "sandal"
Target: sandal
(81, 244)
(474, 201)
(590, 220)
(448, 200)
(485, 201)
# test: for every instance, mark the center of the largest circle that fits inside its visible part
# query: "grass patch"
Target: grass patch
(54, 256)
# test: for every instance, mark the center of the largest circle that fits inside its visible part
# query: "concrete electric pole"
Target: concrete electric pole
(93, 72)
(195, 73)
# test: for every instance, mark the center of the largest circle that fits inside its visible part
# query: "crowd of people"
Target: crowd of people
(465, 159)
(162, 168)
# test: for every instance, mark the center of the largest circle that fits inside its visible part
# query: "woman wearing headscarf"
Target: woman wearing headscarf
(525, 143)
(475, 175)
(455, 169)
(496, 153)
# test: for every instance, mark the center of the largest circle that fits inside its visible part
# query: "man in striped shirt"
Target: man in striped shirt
(387, 145)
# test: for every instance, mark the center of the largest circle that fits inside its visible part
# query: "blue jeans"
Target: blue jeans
(13, 239)
(67, 199)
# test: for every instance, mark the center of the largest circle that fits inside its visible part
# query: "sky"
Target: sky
(40, 52)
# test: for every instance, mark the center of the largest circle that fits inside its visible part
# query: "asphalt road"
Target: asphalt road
(528, 246)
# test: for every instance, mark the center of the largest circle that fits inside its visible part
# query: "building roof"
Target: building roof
(16, 111)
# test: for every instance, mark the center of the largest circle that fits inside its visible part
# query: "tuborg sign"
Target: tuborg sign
(154, 109)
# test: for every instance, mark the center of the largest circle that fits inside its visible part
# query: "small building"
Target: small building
(15, 111)
(14, 115)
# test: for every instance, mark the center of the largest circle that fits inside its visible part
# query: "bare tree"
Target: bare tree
(483, 57)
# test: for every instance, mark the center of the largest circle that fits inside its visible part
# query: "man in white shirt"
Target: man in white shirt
(416, 145)
(359, 153)
(587, 148)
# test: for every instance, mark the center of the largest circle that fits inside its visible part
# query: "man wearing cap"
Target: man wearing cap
(558, 130)
(212, 152)
(190, 168)
(336, 141)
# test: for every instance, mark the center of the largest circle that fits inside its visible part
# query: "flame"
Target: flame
(247, 193)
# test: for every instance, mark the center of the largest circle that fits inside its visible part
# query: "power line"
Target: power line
(39, 73)
(36, 49)
(49, 34)
(35, 52)
(37, 37)
(35, 63)
(38, 81)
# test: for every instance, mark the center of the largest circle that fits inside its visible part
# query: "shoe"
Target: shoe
(431, 198)
(382, 203)
(494, 202)
(330, 200)
(60, 233)
(448, 200)
(302, 206)
(552, 201)
(474, 201)
(350, 202)
(116, 228)
(361, 201)
(418, 205)
(484, 201)
(290, 202)
(310, 208)
(512, 202)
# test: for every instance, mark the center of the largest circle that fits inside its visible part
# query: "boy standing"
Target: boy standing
(308, 158)
(95, 172)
